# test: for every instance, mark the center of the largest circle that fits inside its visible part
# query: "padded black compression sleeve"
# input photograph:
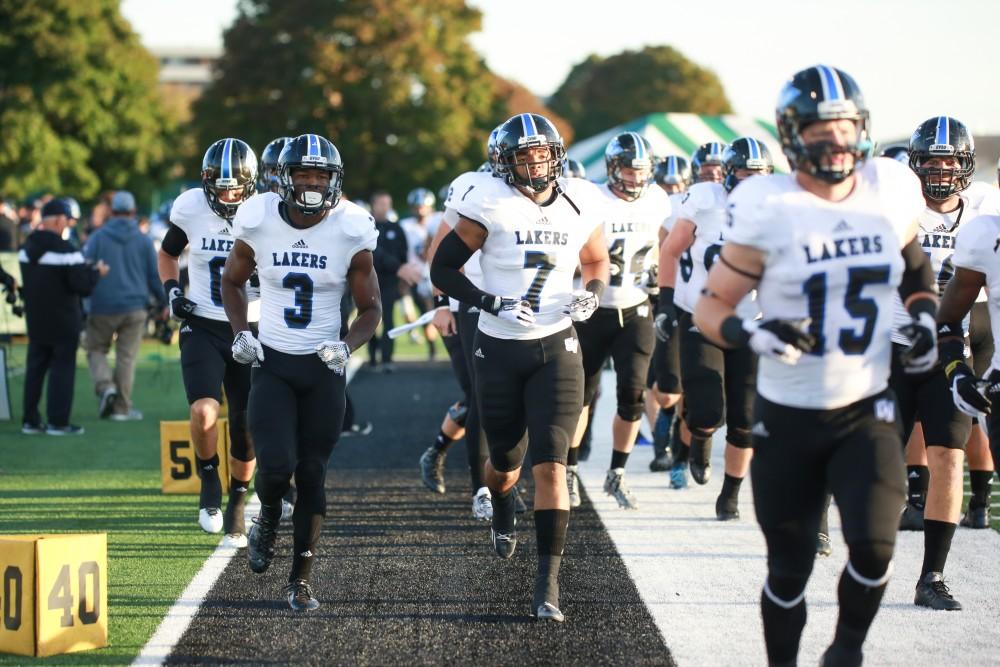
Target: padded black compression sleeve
(918, 276)
(175, 241)
(447, 276)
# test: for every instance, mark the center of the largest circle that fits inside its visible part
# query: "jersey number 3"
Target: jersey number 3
(301, 315)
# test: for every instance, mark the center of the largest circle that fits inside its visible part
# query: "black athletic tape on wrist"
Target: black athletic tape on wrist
(440, 300)
(666, 297)
(597, 287)
(951, 350)
(490, 303)
(746, 274)
(169, 285)
(732, 331)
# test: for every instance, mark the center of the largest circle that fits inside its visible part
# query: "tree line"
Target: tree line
(395, 84)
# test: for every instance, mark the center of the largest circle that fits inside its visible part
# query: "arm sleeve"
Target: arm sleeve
(447, 276)
(174, 241)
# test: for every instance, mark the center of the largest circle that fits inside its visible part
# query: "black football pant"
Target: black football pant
(389, 291)
(475, 440)
(58, 360)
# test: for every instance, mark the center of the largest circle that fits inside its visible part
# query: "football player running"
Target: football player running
(718, 382)
(942, 155)
(202, 219)
(622, 327)
(267, 178)
(826, 247)
(673, 175)
(533, 228)
(308, 246)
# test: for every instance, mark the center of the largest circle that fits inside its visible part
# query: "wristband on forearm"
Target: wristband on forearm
(440, 300)
(169, 285)
(666, 297)
(733, 333)
(596, 287)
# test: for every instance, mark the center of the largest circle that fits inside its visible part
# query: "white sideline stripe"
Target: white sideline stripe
(701, 579)
(179, 617)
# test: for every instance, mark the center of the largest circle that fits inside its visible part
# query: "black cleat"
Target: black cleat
(260, 543)
(662, 459)
(701, 469)
(300, 596)
(727, 509)
(503, 543)
(824, 547)
(545, 603)
(838, 656)
(432, 469)
(519, 506)
(932, 592)
(912, 518)
(976, 517)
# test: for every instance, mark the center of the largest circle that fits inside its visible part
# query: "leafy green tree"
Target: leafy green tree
(79, 107)
(393, 83)
(600, 93)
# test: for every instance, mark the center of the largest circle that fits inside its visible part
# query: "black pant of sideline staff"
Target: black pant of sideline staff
(384, 344)
(58, 360)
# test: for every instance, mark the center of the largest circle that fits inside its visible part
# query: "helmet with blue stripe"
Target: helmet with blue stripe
(822, 93)
(629, 150)
(574, 169)
(948, 138)
(310, 151)
(228, 164)
(745, 153)
(514, 162)
(708, 155)
(268, 181)
(673, 170)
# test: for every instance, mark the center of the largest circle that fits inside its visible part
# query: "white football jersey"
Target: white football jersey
(976, 248)
(631, 229)
(210, 238)
(531, 251)
(417, 238)
(704, 204)
(675, 206)
(303, 272)
(459, 187)
(837, 263)
(936, 236)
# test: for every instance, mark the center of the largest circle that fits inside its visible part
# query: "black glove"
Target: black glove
(181, 306)
(967, 390)
(666, 316)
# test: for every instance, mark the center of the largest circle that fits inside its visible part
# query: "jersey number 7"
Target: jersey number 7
(545, 263)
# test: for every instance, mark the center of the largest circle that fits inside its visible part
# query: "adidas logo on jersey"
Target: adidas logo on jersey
(479, 353)
(940, 229)
(842, 226)
(760, 430)
(224, 231)
(300, 244)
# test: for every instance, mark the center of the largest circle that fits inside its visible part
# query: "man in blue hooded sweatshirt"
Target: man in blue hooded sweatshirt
(118, 306)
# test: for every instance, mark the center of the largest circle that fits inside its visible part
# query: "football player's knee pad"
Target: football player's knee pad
(700, 432)
(458, 412)
(240, 444)
(870, 563)
(702, 417)
(739, 437)
(785, 590)
(630, 404)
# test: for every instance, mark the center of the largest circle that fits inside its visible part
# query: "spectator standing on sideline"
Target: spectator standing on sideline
(8, 227)
(55, 276)
(118, 306)
(391, 266)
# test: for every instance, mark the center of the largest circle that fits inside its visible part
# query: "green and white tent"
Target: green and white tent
(678, 134)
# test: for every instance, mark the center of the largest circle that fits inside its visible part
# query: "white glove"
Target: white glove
(922, 353)
(784, 340)
(582, 306)
(334, 353)
(516, 311)
(247, 349)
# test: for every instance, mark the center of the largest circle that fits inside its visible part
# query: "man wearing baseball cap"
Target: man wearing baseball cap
(119, 304)
(55, 276)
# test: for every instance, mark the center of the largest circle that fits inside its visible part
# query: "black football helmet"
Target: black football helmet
(523, 131)
(268, 181)
(745, 153)
(491, 149)
(822, 93)
(673, 170)
(710, 153)
(943, 136)
(420, 197)
(629, 150)
(229, 164)
(574, 169)
(897, 153)
(310, 151)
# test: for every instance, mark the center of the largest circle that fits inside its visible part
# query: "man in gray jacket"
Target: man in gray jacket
(118, 306)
